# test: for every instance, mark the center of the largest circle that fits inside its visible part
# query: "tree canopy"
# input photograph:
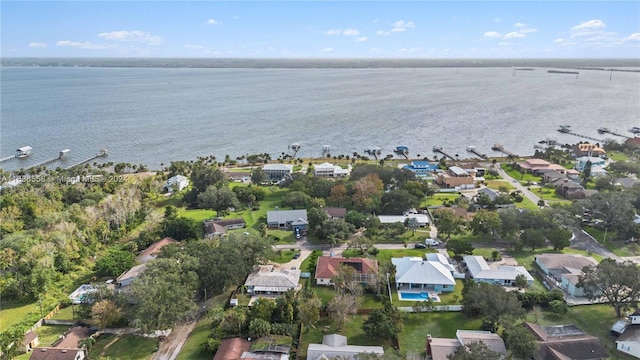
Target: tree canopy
(618, 282)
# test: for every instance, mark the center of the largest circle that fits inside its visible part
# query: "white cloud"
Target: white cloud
(362, 39)
(519, 25)
(527, 30)
(382, 33)
(328, 50)
(563, 42)
(85, 45)
(401, 26)
(37, 45)
(514, 35)
(633, 37)
(589, 25)
(492, 34)
(334, 32)
(195, 47)
(351, 32)
(213, 22)
(132, 36)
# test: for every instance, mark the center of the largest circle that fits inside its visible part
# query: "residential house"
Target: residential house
(152, 251)
(634, 318)
(266, 280)
(629, 341)
(217, 228)
(491, 194)
(336, 212)
(440, 348)
(565, 342)
(287, 219)
(572, 190)
(537, 166)
(277, 172)
(239, 176)
(29, 342)
(327, 267)
(51, 353)
(445, 260)
(176, 183)
(335, 346)
(477, 167)
(422, 168)
(417, 274)
(586, 149)
(456, 177)
(504, 275)
(626, 182)
(581, 163)
(329, 170)
(123, 281)
(565, 269)
(423, 219)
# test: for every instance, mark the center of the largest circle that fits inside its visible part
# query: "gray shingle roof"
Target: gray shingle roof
(282, 216)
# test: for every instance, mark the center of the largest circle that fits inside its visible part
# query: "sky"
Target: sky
(321, 29)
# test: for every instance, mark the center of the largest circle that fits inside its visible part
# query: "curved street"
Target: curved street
(526, 192)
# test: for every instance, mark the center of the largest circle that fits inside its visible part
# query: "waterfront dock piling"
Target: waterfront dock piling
(438, 149)
(62, 154)
(500, 148)
(472, 149)
(566, 129)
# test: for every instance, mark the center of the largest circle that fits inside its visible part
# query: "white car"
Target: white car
(431, 242)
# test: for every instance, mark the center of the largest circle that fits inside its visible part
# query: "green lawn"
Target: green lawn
(445, 298)
(440, 324)
(385, 255)
(130, 347)
(12, 312)
(65, 313)
(191, 349)
(283, 256)
(618, 156)
(438, 199)
(468, 236)
(48, 334)
(527, 204)
(550, 196)
(497, 184)
(618, 247)
(197, 214)
(516, 174)
(484, 252)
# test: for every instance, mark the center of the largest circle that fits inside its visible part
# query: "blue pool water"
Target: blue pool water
(414, 296)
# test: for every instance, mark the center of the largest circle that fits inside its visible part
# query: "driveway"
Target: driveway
(583, 241)
(526, 192)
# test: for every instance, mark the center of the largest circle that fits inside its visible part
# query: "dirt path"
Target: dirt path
(170, 348)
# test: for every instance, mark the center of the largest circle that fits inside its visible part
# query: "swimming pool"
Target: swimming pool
(413, 296)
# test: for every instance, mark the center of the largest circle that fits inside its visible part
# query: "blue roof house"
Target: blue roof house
(422, 168)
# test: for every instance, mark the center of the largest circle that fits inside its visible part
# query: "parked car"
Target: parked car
(431, 242)
(296, 255)
(420, 246)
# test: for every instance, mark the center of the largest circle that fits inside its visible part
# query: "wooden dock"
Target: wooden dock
(566, 129)
(7, 158)
(101, 153)
(402, 150)
(438, 149)
(472, 149)
(500, 148)
(613, 132)
(62, 154)
(375, 151)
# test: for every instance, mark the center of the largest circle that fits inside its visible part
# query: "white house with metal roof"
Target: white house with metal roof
(330, 170)
(277, 172)
(415, 273)
(335, 346)
(176, 183)
(287, 219)
(504, 275)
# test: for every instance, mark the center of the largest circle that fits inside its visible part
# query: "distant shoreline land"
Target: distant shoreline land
(301, 63)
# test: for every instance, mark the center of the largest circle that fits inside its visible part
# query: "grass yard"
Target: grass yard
(438, 199)
(497, 184)
(65, 313)
(618, 156)
(12, 312)
(439, 324)
(516, 174)
(283, 256)
(48, 334)
(385, 255)
(468, 236)
(618, 247)
(191, 349)
(486, 253)
(129, 347)
(550, 196)
(527, 204)
(447, 298)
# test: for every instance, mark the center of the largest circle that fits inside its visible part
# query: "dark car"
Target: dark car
(296, 255)
(420, 246)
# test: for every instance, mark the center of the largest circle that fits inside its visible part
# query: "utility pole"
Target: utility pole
(389, 287)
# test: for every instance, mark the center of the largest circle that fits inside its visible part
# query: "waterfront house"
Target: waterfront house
(422, 168)
(266, 280)
(335, 346)
(565, 342)
(329, 170)
(277, 172)
(287, 219)
(441, 348)
(239, 176)
(327, 267)
(565, 269)
(504, 275)
(417, 274)
(176, 183)
(152, 251)
(456, 178)
(586, 149)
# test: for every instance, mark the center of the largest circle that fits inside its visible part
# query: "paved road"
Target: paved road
(526, 192)
(583, 241)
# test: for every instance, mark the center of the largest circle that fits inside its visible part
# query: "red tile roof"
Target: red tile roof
(328, 266)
